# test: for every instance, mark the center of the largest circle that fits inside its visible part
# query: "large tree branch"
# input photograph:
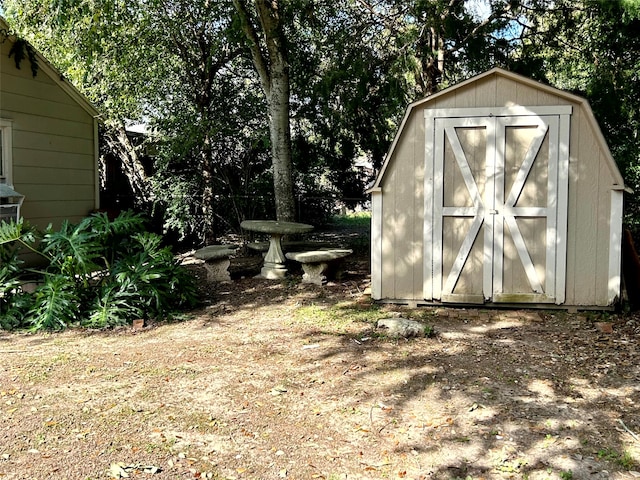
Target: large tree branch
(120, 144)
(260, 63)
(270, 23)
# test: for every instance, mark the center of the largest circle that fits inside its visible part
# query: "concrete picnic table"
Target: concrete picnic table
(274, 261)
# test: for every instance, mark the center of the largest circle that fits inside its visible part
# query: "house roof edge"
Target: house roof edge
(47, 67)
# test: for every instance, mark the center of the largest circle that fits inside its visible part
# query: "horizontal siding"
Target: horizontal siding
(39, 211)
(13, 105)
(38, 193)
(52, 176)
(49, 159)
(42, 223)
(53, 145)
(40, 86)
(50, 142)
(81, 128)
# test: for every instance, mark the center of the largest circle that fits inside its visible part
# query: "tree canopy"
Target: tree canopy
(258, 107)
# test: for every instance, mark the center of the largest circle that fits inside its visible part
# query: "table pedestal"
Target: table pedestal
(274, 267)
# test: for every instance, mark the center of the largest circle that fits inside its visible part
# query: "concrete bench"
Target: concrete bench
(216, 261)
(294, 246)
(316, 263)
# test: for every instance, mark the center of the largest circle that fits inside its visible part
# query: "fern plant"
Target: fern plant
(15, 236)
(14, 304)
(113, 236)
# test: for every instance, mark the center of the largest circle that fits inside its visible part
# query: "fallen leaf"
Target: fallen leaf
(117, 471)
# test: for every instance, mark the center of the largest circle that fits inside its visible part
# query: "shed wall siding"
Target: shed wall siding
(402, 232)
(53, 145)
(589, 210)
(589, 202)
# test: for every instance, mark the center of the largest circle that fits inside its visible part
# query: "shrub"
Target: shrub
(98, 273)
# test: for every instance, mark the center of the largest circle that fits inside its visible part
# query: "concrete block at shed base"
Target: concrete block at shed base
(401, 327)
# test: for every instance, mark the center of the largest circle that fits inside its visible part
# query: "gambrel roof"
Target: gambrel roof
(499, 72)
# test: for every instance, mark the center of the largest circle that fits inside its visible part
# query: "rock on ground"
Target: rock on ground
(402, 327)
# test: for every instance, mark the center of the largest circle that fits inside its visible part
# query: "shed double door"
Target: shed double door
(499, 207)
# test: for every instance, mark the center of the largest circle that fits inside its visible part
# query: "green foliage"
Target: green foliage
(13, 304)
(56, 304)
(99, 273)
(353, 220)
(112, 306)
(72, 250)
(592, 48)
(429, 331)
(625, 459)
(151, 276)
(15, 235)
(182, 67)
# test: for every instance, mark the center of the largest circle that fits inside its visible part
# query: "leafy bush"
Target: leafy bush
(98, 273)
(13, 304)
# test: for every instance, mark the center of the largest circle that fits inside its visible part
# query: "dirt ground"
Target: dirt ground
(272, 380)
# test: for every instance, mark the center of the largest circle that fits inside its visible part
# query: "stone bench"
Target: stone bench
(315, 263)
(216, 261)
(294, 246)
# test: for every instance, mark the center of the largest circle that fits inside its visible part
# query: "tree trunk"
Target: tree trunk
(280, 133)
(121, 146)
(269, 55)
(208, 215)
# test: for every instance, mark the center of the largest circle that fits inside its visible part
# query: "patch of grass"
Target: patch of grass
(357, 225)
(152, 447)
(624, 459)
(627, 461)
(568, 475)
(352, 220)
(429, 331)
(339, 317)
(202, 422)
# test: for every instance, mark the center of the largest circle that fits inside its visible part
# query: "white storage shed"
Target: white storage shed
(499, 191)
